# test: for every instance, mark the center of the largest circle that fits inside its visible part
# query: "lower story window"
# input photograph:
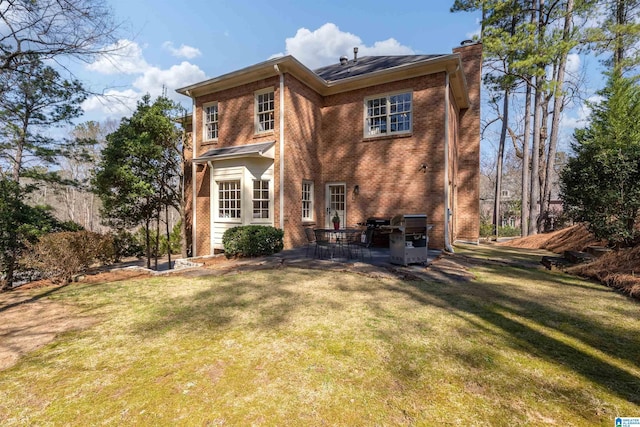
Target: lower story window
(307, 201)
(260, 199)
(229, 199)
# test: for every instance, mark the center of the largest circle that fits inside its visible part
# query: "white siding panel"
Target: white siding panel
(246, 170)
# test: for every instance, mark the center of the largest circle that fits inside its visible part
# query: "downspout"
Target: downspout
(447, 211)
(281, 114)
(193, 177)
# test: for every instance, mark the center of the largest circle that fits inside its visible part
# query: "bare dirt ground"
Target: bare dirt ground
(30, 321)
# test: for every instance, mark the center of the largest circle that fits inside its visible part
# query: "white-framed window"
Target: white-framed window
(229, 198)
(260, 199)
(388, 114)
(307, 200)
(264, 110)
(210, 121)
(505, 193)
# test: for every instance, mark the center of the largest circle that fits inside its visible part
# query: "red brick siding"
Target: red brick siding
(302, 137)
(468, 214)
(324, 143)
(387, 169)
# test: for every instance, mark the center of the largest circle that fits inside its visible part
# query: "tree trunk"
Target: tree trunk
(535, 146)
(618, 54)
(558, 101)
(503, 138)
(157, 245)
(148, 241)
(166, 220)
(526, 171)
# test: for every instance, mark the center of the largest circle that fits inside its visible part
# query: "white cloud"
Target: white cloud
(113, 102)
(573, 63)
(122, 57)
(130, 61)
(580, 116)
(325, 45)
(153, 79)
(475, 35)
(183, 51)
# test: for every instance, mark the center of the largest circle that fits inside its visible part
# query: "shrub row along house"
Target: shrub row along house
(279, 144)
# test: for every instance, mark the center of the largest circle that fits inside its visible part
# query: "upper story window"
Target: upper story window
(307, 201)
(210, 121)
(264, 110)
(388, 114)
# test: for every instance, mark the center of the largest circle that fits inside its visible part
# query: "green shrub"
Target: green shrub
(252, 240)
(126, 244)
(175, 240)
(61, 255)
(508, 231)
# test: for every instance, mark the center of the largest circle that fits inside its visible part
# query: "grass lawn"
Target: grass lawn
(512, 347)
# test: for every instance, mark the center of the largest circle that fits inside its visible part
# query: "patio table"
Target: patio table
(337, 239)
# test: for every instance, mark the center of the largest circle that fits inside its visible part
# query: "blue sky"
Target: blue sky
(175, 44)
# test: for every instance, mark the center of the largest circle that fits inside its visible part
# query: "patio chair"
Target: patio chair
(362, 241)
(323, 242)
(311, 241)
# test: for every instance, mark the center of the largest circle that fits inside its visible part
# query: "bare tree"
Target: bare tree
(49, 29)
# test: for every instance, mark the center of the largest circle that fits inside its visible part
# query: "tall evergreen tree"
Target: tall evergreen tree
(138, 175)
(601, 184)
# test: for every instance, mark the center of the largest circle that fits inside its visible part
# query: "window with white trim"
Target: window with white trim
(264, 111)
(260, 199)
(307, 200)
(388, 114)
(229, 197)
(210, 121)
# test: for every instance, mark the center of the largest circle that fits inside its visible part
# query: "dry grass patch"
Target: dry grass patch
(297, 347)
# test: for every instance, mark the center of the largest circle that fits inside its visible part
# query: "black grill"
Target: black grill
(376, 222)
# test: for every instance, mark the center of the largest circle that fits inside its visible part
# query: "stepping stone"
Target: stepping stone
(555, 262)
(598, 251)
(577, 257)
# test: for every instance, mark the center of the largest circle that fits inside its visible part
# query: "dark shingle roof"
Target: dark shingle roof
(368, 64)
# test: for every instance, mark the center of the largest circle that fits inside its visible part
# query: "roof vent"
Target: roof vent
(355, 54)
(344, 60)
(466, 42)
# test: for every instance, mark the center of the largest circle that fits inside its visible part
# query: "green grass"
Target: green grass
(295, 347)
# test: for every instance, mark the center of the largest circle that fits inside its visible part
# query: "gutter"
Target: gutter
(281, 124)
(447, 211)
(194, 194)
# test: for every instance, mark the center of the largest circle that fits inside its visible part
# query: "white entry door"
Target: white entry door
(336, 202)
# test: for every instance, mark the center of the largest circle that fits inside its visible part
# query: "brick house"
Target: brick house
(279, 144)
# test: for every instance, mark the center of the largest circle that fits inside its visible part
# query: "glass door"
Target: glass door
(336, 203)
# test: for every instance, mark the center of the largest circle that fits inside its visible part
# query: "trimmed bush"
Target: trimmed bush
(252, 240)
(59, 256)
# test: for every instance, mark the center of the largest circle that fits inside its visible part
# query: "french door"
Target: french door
(336, 202)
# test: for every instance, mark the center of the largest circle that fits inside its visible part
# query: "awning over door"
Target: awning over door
(261, 149)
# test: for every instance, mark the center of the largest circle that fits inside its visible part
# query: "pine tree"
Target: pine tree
(601, 184)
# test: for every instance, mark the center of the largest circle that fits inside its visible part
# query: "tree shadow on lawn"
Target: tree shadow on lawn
(269, 300)
(263, 305)
(501, 306)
